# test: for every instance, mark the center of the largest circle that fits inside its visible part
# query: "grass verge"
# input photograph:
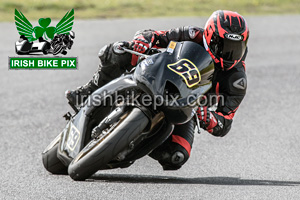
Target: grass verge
(55, 9)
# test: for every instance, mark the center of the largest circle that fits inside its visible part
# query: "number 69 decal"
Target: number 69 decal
(73, 137)
(187, 70)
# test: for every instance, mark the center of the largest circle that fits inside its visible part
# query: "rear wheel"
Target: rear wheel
(103, 149)
(50, 161)
(46, 48)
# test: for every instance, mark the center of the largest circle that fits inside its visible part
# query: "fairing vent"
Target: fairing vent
(171, 90)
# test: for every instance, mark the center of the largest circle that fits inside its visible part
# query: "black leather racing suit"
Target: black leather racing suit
(230, 86)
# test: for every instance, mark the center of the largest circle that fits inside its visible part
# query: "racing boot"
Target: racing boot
(112, 65)
(78, 96)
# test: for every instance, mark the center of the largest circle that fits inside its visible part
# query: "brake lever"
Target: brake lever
(134, 52)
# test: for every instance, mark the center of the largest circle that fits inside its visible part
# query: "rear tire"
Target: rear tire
(100, 151)
(50, 161)
(46, 48)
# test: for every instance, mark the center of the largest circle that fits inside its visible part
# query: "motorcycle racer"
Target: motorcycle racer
(225, 37)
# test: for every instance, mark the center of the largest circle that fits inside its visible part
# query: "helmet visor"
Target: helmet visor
(228, 50)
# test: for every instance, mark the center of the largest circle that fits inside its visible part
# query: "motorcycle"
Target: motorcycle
(99, 137)
(62, 42)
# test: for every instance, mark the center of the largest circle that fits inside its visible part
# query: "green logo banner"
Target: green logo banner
(42, 62)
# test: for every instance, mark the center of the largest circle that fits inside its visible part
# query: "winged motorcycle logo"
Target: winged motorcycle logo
(41, 40)
(61, 35)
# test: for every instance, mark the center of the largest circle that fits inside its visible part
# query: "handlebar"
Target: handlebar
(134, 52)
(118, 47)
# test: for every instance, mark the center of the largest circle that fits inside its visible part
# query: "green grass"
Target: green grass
(55, 9)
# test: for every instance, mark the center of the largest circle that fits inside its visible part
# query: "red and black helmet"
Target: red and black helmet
(225, 37)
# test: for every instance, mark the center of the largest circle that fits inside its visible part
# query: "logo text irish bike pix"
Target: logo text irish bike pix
(44, 46)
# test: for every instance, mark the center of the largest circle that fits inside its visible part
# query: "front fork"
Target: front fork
(113, 117)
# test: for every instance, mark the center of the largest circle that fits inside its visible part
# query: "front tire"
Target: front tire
(57, 49)
(100, 151)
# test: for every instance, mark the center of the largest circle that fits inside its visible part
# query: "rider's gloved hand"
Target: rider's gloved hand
(207, 120)
(142, 41)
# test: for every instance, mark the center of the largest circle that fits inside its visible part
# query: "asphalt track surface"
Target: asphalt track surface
(258, 159)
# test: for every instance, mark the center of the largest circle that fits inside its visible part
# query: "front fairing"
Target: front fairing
(153, 71)
(164, 70)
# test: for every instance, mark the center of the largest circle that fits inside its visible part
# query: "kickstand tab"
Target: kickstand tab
(197, 123)
(68, 116)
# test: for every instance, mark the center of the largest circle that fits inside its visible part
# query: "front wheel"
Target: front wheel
(101, 150)
(57, 49)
